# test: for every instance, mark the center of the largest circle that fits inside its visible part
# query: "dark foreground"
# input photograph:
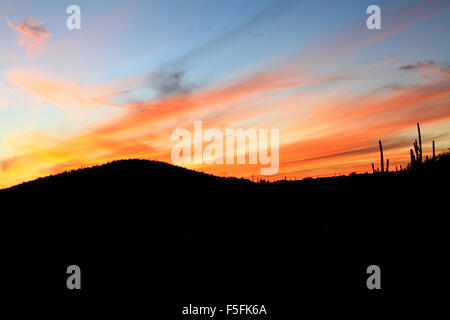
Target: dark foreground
(151, 238)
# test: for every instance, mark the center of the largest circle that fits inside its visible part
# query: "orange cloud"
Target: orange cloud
(63, 94)
(32, 34)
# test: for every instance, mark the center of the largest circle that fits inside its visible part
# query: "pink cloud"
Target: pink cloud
(63, 94)
(32, 34)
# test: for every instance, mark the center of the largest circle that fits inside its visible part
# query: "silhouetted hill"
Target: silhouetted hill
(120, 176)
(136, 226)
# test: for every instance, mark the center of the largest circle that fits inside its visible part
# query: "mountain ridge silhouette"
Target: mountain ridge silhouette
(137, 168)
(133, 168)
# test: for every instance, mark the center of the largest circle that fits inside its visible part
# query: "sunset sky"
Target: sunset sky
(137, 70)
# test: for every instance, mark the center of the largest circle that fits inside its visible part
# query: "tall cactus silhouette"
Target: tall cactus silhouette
(420, 142)
(381, 155)
(417, 158)
(381, 160)
(434, 152)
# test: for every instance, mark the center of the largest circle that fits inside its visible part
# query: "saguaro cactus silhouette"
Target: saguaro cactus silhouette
(420, 142)
(381, 154)
(434, 152)
(381, 160)
(417, 159)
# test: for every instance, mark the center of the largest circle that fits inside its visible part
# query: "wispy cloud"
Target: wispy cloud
(31, 34)
(428, 67)
(169, 80)
(63, 94)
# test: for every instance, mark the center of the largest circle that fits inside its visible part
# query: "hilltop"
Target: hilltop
(119, 175)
